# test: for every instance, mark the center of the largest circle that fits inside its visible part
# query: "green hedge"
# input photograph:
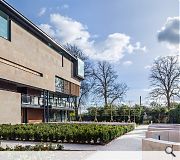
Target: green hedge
(174, 115)
(39, 147)
(72, 133)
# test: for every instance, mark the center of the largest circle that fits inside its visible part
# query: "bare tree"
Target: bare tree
(106, 86)
(87, 83)
(165, 78)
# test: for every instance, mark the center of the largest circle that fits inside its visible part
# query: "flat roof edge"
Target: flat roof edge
(35, 27)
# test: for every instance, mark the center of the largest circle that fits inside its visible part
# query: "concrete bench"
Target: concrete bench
(150, 144)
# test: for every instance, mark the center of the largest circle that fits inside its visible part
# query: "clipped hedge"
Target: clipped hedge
(39, 147)
(71, 133)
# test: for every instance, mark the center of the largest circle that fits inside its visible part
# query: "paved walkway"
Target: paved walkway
(131, 141)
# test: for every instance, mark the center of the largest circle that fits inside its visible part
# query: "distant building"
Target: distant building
(39, 79)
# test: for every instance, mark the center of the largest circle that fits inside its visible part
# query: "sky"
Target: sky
(129, 34)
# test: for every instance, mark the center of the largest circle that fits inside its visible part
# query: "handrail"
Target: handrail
(30, 100)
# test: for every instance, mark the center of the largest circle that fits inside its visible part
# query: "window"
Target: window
(4, 26)
(26, 99)
(80, 68)
(59, 83)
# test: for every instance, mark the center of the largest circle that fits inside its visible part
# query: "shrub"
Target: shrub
(174, 115)
(39, 147)
(76, 133)
(104, 137)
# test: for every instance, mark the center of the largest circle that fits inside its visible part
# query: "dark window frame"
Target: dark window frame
(62, 61)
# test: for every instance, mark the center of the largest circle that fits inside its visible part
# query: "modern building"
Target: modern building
(39, 79)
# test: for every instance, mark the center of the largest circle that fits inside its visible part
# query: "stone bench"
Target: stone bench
(166, 135)
(150, 144)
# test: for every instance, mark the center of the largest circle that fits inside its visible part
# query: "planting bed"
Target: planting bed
(70, 133)
(39, 147)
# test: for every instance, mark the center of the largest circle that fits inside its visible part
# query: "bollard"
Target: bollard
(159, 138)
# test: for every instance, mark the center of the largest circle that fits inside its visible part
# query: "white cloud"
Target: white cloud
(169, 34)
(65, 6)
(137, 46)
(67, 30)
(147, 89)
(48, 29)
(42, 11)
(148, 67)
(127, 63)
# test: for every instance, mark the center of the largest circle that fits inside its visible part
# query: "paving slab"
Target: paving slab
(131, 141)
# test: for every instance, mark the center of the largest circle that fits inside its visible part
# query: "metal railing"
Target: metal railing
(29, 100)
(60, 104)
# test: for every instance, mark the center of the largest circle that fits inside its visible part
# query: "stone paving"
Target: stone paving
(126, 147)
(117, 149)
(131, 141)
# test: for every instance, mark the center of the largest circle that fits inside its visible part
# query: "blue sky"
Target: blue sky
(124, 32)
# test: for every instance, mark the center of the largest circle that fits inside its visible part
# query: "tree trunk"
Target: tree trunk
(168, 102)
(105, 101)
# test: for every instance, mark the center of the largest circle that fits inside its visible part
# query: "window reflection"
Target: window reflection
(4, 25)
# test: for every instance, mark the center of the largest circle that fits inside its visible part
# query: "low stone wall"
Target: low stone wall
(166, 135)
(157, 127)
(150, 144)
(159, 136)
(103, 123)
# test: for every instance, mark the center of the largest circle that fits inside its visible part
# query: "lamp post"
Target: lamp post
(111, 113)
(129, 117)
(124, 115)
(80, 117)
(95, 117)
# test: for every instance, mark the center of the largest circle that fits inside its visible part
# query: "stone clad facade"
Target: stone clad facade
(37, 69)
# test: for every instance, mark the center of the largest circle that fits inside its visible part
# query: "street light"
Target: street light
(124, 115)
(95, 118)
(80, 117)
(129, 117)
(134, 117)
(111, 113)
